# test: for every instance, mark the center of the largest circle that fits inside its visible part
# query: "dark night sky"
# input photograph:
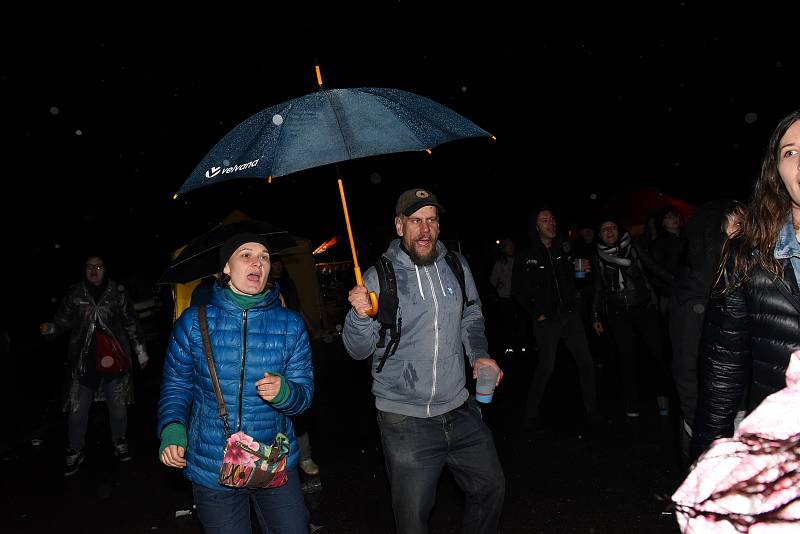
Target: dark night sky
(101, 130)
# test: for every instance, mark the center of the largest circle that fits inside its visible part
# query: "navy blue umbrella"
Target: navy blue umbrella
(328, 127)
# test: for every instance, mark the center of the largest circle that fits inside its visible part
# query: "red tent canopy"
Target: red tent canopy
(635, 207)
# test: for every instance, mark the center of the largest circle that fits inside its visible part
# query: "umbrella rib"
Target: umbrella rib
(276, 161)
(338, 123)
(381, 97)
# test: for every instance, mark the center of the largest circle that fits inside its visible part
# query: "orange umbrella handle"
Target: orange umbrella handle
(373, 297)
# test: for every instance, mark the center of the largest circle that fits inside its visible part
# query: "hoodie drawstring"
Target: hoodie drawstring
(440, 280)
(419, 282)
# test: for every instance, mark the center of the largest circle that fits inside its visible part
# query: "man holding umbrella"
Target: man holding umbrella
(425, 414)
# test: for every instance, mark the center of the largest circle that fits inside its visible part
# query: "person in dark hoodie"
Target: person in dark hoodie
(706, 232)
(426, 417)
(543, 282)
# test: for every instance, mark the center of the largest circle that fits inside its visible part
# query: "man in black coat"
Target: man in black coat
(543, 282)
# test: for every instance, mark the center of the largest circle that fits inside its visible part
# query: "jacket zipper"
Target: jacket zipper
(241, 372)
(435, 340)
(555, 278)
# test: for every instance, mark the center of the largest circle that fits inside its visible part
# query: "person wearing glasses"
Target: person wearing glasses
(104, 335)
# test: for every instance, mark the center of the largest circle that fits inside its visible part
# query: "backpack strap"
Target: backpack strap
(458, 269)
(387, 310)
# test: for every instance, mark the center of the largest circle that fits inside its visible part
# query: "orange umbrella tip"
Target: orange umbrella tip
(319, 75)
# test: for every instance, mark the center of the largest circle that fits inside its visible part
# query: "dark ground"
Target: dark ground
(562, 479)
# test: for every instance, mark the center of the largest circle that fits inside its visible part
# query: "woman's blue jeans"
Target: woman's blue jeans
(279, 510)
(416, 450)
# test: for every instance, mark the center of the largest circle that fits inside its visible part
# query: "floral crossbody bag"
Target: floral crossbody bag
(246, 463)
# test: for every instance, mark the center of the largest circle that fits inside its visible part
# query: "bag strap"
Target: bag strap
(223, 414)
(455, 265)
(388, 303)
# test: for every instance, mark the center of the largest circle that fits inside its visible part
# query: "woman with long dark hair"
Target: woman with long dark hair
(753, 321)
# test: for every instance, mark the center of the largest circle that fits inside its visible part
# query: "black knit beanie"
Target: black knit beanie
(229, 247)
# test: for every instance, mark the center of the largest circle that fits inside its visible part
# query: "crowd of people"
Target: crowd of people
(704, 311)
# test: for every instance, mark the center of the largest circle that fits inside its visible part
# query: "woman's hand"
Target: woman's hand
(172, 456)
(268, 387)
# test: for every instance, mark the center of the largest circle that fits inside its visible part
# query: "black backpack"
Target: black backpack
(388, 302)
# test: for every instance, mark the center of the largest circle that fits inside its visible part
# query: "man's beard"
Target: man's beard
(422, 261)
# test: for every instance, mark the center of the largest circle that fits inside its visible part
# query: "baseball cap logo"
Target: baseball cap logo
(422, 194)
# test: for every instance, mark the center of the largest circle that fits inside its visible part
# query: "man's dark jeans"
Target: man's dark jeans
(416, 450)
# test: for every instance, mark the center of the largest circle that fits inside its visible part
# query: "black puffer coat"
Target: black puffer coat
(748, 337)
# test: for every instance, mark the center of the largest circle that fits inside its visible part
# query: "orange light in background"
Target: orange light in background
(326, 245)
(428, 150)
(174, 196)
(269, 179)
(494, 138)
(497, 242)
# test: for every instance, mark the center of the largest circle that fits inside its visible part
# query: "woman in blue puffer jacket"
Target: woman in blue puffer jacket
(263, 362)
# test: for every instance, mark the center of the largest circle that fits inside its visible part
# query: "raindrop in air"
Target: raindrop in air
(54, 110)
(78, 132)
(277, 120)
(53, 300)
(463, 88)
(593, 196)
(57, 245)
(375, 178)
(750, 118)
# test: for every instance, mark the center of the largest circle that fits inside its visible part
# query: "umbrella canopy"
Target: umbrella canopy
(328, 127)
(201, 256)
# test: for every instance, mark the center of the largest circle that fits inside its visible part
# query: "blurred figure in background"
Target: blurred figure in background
(105, 334)
(291, 299)
(625, 302)
(544, 284)
(512, 316)
(706, 232)
(669, 250)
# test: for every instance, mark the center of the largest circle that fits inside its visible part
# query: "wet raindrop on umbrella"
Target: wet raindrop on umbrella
(226, 162)
(277, 119)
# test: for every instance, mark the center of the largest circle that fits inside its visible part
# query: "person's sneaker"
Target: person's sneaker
(631, 410)
(74, 460)
(121, 451)
(309, 467)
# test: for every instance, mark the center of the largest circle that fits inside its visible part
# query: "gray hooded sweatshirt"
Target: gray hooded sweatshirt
(425, 377)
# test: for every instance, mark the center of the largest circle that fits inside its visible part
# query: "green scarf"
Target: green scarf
(247, 301)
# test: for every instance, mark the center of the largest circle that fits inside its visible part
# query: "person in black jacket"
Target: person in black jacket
(706, 232)
(543, 282)
(752, 320)
(624, 300)
(97, 311)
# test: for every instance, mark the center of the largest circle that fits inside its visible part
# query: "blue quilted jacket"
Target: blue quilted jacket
(267, 337)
